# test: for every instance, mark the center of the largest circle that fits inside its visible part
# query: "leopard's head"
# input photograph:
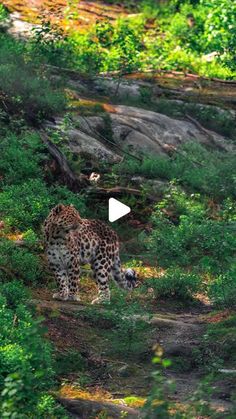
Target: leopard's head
(131, 278)
(65, 217)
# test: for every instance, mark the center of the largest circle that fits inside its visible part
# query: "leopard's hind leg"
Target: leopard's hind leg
(101, 272)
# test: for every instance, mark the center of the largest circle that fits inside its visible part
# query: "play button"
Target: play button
(117, 210)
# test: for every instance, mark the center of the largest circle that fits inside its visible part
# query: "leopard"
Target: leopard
(72, 241)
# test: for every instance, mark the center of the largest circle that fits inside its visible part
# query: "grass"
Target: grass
(196, 168)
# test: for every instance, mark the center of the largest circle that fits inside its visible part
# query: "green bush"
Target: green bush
(183, 34)
(185, 235)
(15, 294)
(19, 263)
(105, 47)
(26, 87)
(26, 206)
(122, 325)
(50, 44)
(3, 12)
(197, 168)
(20, 157)
(176, 284)
(187, 27)
(220, 29)
(26, 373)
(68, 362)
(220, 341)
(222, 291)
(25, 199)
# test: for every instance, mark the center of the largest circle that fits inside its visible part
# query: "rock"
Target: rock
(178, 350)
(137, 130)
(127, 89)
(19, 28)
(151, 131)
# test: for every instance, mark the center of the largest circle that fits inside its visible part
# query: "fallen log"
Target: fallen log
(117, 190)
(89, 408)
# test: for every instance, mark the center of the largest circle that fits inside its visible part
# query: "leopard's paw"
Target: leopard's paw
(74, 297)
(60, 297)
(100, 300)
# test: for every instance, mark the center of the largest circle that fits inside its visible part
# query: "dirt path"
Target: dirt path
(180, 334)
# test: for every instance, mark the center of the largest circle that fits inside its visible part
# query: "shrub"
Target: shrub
(20, 157)
(197, 168)
(3, 12)
(50, 43)
(177, 284)
(122, 325)
(184, 235)
(222, 290)
(26, 206)
(19, 263)
(68, 362)
(220, 341)
(220, 28)
(157, 403)
(15, 294)
(104, 47)
(26, 368)
(26, 88)
(25, 199)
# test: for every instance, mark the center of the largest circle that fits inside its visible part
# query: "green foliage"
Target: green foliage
(191, 29)
(220, 29)
(19, 263)
(25, 199)
(68, 362)
(28, 204)
(122, 324)
(222, 290)
(177, 284)
(191, 238)
(26, 88)
(157, 404)
(15, 294)
(183, 34)
(26, 374)
(209, 172)
(25, 205)
(3, 13)
(220, 342)
(20, 158)
(49, 43)
(105, 47)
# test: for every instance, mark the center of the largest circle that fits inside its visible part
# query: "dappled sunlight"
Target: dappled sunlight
(69, 16)
(96, 393)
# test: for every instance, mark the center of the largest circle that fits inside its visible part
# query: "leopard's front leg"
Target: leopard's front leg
(62, 283)
(73, 270)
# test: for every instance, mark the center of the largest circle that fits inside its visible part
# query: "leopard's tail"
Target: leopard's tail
(124, 278)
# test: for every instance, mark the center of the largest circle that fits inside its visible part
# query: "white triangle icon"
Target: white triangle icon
(117, 210)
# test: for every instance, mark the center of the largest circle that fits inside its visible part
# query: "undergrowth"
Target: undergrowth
(26, 374)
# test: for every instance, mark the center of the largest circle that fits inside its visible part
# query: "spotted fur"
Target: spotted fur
(72, 241)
